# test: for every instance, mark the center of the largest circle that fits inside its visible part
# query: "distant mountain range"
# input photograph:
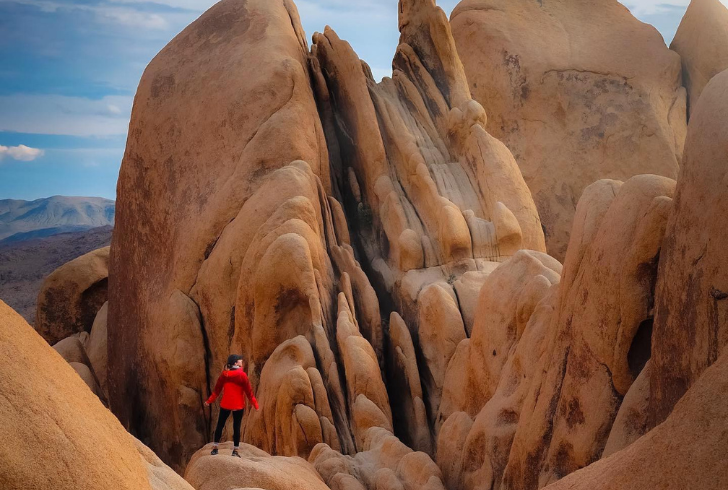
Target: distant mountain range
(24, 220)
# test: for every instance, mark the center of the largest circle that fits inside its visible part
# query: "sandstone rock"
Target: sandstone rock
(601, 338)
(255, 469)
(507, 299)
(72, 295)
(294, 412)
(72, 348)
(578, 91)
(96, 347)
(691, 301)
(384, 463)
(657, 460)
(221, 108)
(408, 407)
(89, 449)
(701, 41)
(632, 420)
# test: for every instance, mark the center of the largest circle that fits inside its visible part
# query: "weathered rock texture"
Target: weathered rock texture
(657, 460)
(255, 469)
(55, 432)
(691, 319)
(378, 259)
(72, 295)
(578, 91)
(534, 392)
(702, 43)
(246, 246)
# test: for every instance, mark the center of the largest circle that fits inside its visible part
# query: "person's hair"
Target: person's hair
(232, 359)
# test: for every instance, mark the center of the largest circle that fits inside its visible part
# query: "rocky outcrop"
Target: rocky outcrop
(701, 41)
(578, 91)
(691, 318)
(71, 442)
(230, 252)
(248, 207)
(699, 422)
(254, 469)
(551, 360)
(72, 295)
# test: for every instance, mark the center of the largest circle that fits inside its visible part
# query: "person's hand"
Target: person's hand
(207, 404)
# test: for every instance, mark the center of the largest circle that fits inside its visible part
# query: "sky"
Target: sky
(69, 70)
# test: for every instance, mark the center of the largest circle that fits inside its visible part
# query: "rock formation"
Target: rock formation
(691, 309)
(377, 257)
(256, 469)
(72, 295)
(578, 91)
(257, 255)
(702, 43)
(55, 432)
(699, 422)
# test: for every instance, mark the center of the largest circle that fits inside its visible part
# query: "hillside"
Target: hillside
(22, 220)
(23, 266)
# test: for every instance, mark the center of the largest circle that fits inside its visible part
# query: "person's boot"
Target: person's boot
(235, 453)
(214, 451)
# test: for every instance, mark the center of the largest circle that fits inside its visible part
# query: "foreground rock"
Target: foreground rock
(255, 469)
(72, 295)
(578, 91)
(71, 442)
(702, 43)
(691, 319)
(657, 460)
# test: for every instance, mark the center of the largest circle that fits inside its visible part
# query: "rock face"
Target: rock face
(72, 295)
(552, 359)
(208, 213)
(72, 442)
(578, 91)
(377, 257)
(691, 319)
(699, 422)
(247, 205)
(702, 43)
(255, 469)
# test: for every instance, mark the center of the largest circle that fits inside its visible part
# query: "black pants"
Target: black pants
(222, 418)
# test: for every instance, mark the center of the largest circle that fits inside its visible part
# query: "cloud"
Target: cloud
(21, 153)
(652, 7)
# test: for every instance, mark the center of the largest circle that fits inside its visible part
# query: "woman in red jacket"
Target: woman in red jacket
(234, 384)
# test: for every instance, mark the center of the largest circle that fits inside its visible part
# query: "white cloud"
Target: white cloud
(21, 153)
(57, 114)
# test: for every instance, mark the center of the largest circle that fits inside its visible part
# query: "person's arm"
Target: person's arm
(216, 391)
(248, 390)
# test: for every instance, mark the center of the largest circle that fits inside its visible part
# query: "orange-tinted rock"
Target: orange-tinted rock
(72, 295)
(219, 110)
(686, 451)
(701, 41)
(578, 91)
(70, 441)
(691, 319)
(254, 469)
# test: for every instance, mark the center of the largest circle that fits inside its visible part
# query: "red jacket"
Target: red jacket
(234, 385)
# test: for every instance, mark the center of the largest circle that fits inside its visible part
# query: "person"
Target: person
(235, 386)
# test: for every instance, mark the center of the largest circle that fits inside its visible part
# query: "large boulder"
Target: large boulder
(701, 41)
(578, 91)
(691, 303)
(219, 110)
(254, 469)
(55, 431)
(686, 451)
(72, 295)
